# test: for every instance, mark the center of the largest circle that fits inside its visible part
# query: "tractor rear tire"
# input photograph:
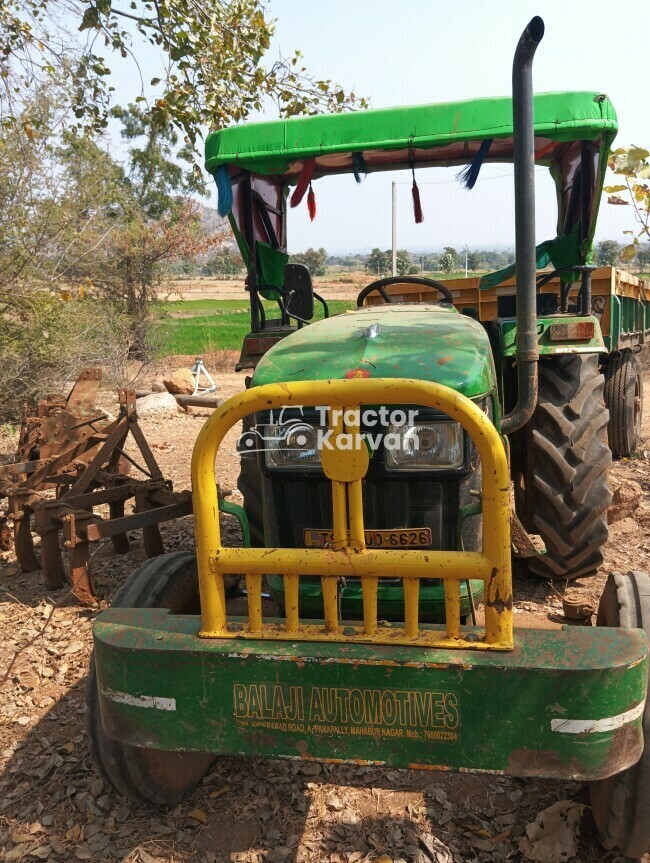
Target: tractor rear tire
(567, 463)
(249, 484)
(624, 398)
(151, 776)
(621, 803)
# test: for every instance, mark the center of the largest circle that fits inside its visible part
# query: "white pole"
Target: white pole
(394, 227)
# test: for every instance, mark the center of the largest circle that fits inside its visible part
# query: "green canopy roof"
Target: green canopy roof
(387, 135)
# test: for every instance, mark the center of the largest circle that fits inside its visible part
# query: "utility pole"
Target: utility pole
(394, 227)
(466, 251)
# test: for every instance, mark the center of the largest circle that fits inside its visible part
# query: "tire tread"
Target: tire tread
(621, 803)
(567, 465)
(168, 581)
(620, 377)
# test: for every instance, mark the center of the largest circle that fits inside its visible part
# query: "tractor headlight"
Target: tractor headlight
(294, 445)
(424, 445)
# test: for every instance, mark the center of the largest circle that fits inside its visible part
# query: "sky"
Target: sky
(398, 52)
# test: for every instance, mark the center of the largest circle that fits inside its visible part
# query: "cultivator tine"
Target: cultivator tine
(51, 560)
(80, 577)
(120, 540)
(153, 543)
(24, 543)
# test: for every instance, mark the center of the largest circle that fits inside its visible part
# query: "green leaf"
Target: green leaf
(611, 189)
(628, 252)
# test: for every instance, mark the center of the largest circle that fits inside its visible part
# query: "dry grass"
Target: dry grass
(220, 360)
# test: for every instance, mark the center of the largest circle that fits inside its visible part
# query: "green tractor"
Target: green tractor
(378, 450)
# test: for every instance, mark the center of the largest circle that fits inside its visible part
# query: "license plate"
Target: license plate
(407, 538)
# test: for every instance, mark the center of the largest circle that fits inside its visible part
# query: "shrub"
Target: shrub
(45, 342)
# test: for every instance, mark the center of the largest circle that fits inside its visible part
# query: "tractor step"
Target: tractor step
(565, 704)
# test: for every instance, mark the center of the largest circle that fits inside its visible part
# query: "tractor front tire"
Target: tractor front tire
(624, 398)
(151, 776)
(621, 803)
(567, 463)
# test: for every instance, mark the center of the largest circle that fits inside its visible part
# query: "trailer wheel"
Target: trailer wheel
(624, 398)
(567, 462)
(621, 803)
(249, 484)
(150, 775)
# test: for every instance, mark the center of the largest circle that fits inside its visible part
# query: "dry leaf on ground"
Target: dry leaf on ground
(551, 837)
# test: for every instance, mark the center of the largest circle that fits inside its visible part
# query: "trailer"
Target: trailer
(620, 302)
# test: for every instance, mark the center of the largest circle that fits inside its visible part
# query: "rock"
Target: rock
(180, 383)
(157, 405)
(626, 497)
(158, 387)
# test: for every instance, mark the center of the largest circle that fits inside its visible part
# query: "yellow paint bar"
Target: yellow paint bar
(346, 470)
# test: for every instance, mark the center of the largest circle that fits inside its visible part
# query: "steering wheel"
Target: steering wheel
(380, 284)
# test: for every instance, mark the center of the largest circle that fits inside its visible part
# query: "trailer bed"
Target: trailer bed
(620, 300)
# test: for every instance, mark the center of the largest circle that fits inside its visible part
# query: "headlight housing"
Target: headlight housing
(292, 445)
(424, 445)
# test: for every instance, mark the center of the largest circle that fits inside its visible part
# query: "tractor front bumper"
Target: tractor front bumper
(565, 704)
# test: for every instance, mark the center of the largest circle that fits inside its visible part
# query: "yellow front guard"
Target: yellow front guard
(349, 557)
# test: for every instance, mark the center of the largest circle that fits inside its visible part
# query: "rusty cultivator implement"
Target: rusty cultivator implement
(70, 461)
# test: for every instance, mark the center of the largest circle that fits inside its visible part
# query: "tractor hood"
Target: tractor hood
(422, 342)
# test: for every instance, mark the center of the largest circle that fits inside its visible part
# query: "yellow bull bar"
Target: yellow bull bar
(345, 466)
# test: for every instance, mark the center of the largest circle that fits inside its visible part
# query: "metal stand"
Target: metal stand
(199, 369)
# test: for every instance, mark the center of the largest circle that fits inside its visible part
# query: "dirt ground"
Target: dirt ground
(54, 806)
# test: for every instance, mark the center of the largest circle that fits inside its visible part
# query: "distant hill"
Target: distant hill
(211, 221)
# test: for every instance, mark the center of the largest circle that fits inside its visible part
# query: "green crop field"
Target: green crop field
(202, 326)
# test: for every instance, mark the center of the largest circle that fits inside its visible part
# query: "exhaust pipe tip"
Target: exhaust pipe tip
(535, 29)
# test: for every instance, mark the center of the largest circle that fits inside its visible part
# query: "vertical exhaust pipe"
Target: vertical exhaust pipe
(526, 261)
